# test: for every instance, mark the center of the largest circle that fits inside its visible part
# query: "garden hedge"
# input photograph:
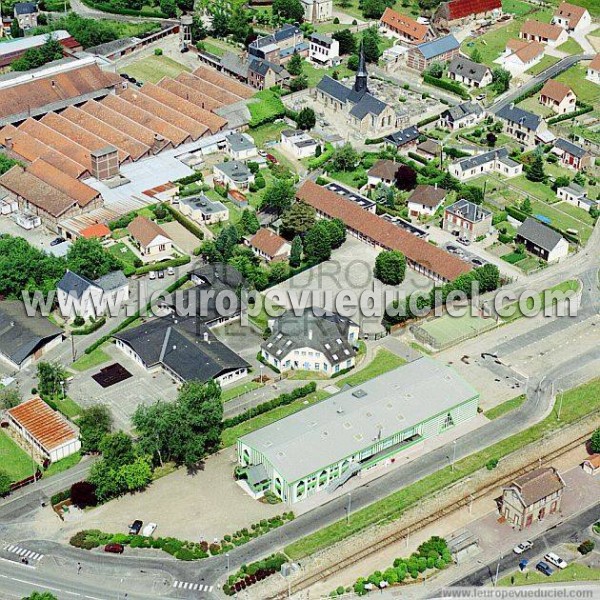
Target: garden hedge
(165, 264)
(182, 220)
(446, 84)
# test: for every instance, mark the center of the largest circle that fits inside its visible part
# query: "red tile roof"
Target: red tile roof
(382, 232)
(145, 231)
(45, 425)
(95, 231)
(555, 90)
(227, 83)
(459, 9)
(405, 25)
(529, 52)
(594, 460)
(184, 91)
(543, 30)
(571, 12)
(595, 64)
(268, 242)
(427, 195)
(206, 87)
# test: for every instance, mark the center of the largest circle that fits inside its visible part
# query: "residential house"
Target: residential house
(383, 171)
(493, 161)
(269, 246)
(79, 296)
(558, 96)
(23, 338)
(43, 429)
(150, 239)
(307, 342)
(593, 70)
(425, 200)
(467, 220)
(263, 75)
(240, 146)
(99, 231)
(26, 14)
(441, 50)
(591, 465)
(456, 13)
(522, 125)
(545, 33)
(576, 195)
(521, 55)
(406, 29)
(203, 210)
(541, 240)
(466, 114)
(404, 140)
(233, 175)
(429, 149)
(571, 17)
(184, 347)
(298, 143)
(278, 47)
(572, 155)
(533, 496)
(323, 50)
(469, 72)
(317, 11)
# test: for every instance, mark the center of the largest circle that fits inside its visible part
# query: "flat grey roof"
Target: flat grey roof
(352, 420)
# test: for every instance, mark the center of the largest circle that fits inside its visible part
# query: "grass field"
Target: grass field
(93, 359)
(570, 47)
(230, 436)
(561, 220)
(577, 403)
(266, 105)
(446, 329)
(505, 407)
(269, 132)
(516, 7)
(68, 407)
(576, 212)
(585, 90)
(15, 462)
(537, 190)
(383, 362)
(154, 68)
(574, 572)
(63, 465)
(315, 74)
(124, 253)
(545, 62)
(230, 393)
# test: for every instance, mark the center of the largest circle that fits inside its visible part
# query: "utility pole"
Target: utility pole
(73, 347)
(453, 453)
(497, 571)
(348, 508)
(562, 393)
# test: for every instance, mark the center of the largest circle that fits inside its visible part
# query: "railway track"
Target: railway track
(364, 549)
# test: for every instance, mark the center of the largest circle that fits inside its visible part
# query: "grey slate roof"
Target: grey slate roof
(333, 88)
(569, 147)
(20, 334)
(456, 113)
(368, 105)
(112, 281)
(468, 210)
(404, 136)
(184, 346)
(205, 205)
(235, 64)
(73, 284)
(349, 421)
(574, 189)
(291, 332)
(321, 37)
(364, 102)
(235, 170)
(537, 233)
(439, 46)
(219, 275)
(286, 32)
(471, 162)
(514, 114)
(468, 68)
(239, 142)
(25, 8)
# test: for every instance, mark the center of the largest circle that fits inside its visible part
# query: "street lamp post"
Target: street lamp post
(453, 453)
(348, 508)
(62, 388)
(497, 571)
(560, 402)
(227, 557)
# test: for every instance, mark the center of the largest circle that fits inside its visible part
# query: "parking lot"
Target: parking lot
(39, 237)
(465, 254)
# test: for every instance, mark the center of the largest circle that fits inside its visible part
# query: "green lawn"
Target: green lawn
(516, 7)
(575, 212)
(154, 68)
(123, 252)
(68, 407)
(585, 90)
(577, 403)
(213, 48)
(532, 104)
(13, 460)
(574, 572)
(63, 465)
(570, 47)
(383, 362)
(269, 132)
(230, 435)
(302, 375)
(265, 105)
(537, 190)
(262, 319)
(505, 407)
(230, 393)
(314, 74)
(93, 359)
(561, 219)
(447, 329)
(545, 62)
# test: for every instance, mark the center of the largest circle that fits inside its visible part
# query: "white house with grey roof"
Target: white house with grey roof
(466, 114)
(467, 220)
(234, 175)
(522, 125)
(323, 50)
(240, 146)
(494, 161)
(79, 296)
(541, 240)
(320, 448)
(203, 210)
(298, 143)
(307, 342)
(469, 72)
(576, 195)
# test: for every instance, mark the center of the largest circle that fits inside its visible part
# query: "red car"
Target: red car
(271, 159)
(114, 548)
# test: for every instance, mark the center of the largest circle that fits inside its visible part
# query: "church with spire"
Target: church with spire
(365, 113)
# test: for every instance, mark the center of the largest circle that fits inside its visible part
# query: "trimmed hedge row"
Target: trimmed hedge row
(319, 161)
(446, 84)
(252, 573)
(165, 264)
(183, 220)
(581, 111)
(534, 90)
(418, 157)
(428, 120)
(90, 328)
(190, 179)
(281, 400)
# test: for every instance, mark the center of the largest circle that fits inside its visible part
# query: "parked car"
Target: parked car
(57, 241)
(262, 153)
(135, 527)
(523, 547)
(523, 564)
(480, 97)
(170, 271)
(114, 548)
(556, 560)
(544, 568)
(272, 159)
(161, 274)
(464, 241)
(149, 529)
(152, 274)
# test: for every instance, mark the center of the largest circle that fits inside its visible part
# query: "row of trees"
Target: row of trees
(33, 58)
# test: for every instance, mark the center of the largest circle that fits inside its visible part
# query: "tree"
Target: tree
(296, 252)
(117, 449)
(472, 193)
(37, 57)
(248, 222)
(15, 30)
(221, 14)
(299, 83)
(5, 482)
(51, 380)
(9, 398)
(526, 206)
(226, 241)
(317, 243)
(579, 179)
(83, 494)
(279, 195)
(41, 596)
(169, 7)
(436, 70)
(345, 158)
(111, 481)
(346, 40)
(491, 139)
(476, 56)
(595, 441)
(239, 25)
(536, 170)
(390, 267)
(353, 62)
(406, 178)
(337, 232)
(306, 118)
(297, 220)
(560, 181)
(289, 9)
(94, 423)
(198, 29)
(87, 257)
(295, 64)
(371, 39)
(500, 80)
(373, 9)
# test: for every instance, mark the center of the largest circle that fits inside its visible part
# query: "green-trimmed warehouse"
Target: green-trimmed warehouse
(324, 445)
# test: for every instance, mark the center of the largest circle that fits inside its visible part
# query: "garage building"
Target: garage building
(321, 447)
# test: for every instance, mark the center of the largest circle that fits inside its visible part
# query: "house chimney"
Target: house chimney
(206, 336)
(53, 83)
(435, 185)
(8, 142)
(310, 334)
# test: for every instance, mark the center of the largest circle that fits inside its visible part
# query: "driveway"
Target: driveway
(182, 238)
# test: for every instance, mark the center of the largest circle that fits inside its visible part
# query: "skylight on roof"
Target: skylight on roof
(279, 336)
(328, 346)
(335, 356)
(339, 340)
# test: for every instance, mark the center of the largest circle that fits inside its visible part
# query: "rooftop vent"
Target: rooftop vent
(360, 393)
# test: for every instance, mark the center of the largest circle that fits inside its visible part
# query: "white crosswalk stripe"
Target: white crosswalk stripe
(24, 552)
(186, 585)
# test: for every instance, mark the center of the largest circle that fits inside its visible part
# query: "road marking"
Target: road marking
(24, 553)
(186, 585)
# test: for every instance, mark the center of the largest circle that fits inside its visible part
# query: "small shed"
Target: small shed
(591, 465)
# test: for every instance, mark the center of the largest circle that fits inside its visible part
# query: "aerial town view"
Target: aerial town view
(299, 299)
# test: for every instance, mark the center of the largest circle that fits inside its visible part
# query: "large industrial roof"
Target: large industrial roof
(352, 420)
